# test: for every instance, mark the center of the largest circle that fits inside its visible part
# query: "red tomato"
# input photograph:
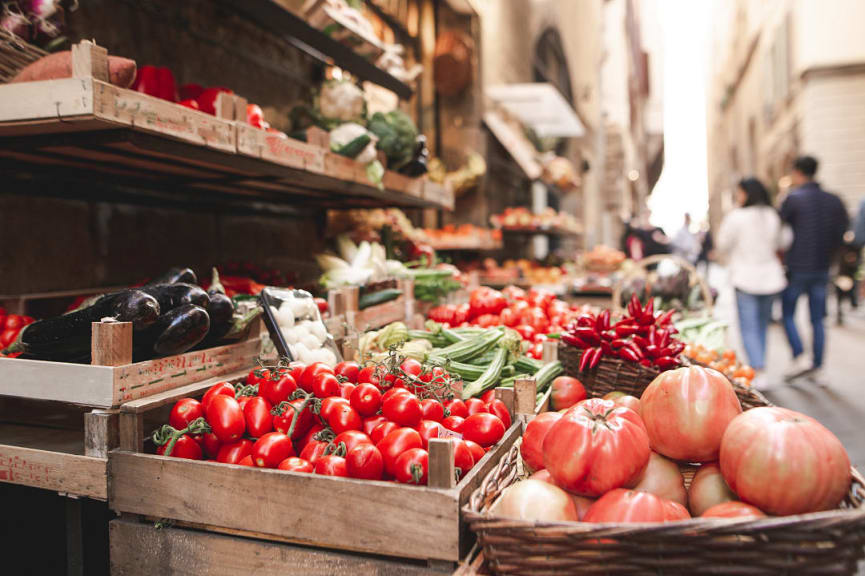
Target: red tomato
(259, 420)
(488, 396)
(271, 449)
(485, 300)
(331, 466)
(404, 409)
(464, 460)
(784, 462)
(395, 391)
(325, 384)
(351, 438)
(207, 99)
(246, 461)
(313, 451)
(532, 448)
(295, 370)
(733, 510)
(487, 320)
(662, 478)
(235, 452)
(307, 378)
(477, 450)
(329, 405)
(411, 466)
(185, 447)
(368, 375)
(626, 506)
(498, 408)
(708, 489)
(242, 400)
(536, 318)
(622, 399)
(346, 390)
(8, 336)
(457, 407)
(432, 410)
(595, 447)
(382, 430)
(539, 338)
(513, 293)
(508, 318)
(369, 424)
(536, 351)
(343, 417)
(14, 322)
(309, 436)
(485, 429)
(475, 405)
(185, 411)
(211, 444)
(348, 370)
(411, 366)
(364, 461)
(220, 388)
(225, 418)
(454, 423)
(526, 331)
(366, 399)
(686, 412)
(252, 378)
(295, 464)
(427, 429)
(567, 391)
(276, 391)
(395, 443)
(283, 416)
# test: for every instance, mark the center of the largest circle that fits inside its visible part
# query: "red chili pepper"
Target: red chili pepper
(650, 308)
(665, 318)
(618, 343)
(676, 348)
(635, 308)
(608, 335)
(604, 320)
(653, 336)
(628, 354)
(665, 351)
(666, 363)
(586, 358)
(596, 359)
(586, 321)
(572, 340)
(636, 350)
(606, 348)
(587, 334)
(652, 351)
(640, 341)
(626, 330)
(646, 362)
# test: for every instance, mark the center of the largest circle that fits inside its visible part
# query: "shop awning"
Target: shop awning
(539, 106)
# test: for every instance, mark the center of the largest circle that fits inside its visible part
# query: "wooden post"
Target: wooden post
(101, 433)
(352, 297)
(240, 104)
(111, 343)
(89, 61)
(440, 469)
(550, 351)
(506, 395)
(407, 287)
(336, 302)
(525, 391)
(224, 106)
(132, 431)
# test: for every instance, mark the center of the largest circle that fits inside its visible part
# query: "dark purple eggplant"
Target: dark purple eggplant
(221, 309)
(175, 275)
(170, 296)
(181, 329)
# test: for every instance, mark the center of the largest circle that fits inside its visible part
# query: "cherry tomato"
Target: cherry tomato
(395, 443)
(271, 449)
(432, 409)
(252, 378)
(259, 420)
(234, 452)
(348, 370)
(508, 318)
(343, 417)
(527, 332)
(382, 430)
(295, 464)
(331, 466)
(485, 429)
(307, 378)
(211, 444)
(395, 391)
(276, 391)
(411, 466)
(457, 408)
(242, 400)
(364, 461)
(498, 408)
(411, 366)
(351, 438)
(404, 409)
(368, 375)
(328, 405)
(454, 423)
(345, 390)
(428, 429)
(185, 447)
(246, 461)
(477, 450)
(225, 418)
(369, 424)
(366, 399)
(464, 460)
(313, 451)
(475, 405)
(295, 370)
(220, 388)
(488, 396)
(325, 384)
(283, 417)
(185, 411)
(309, 436)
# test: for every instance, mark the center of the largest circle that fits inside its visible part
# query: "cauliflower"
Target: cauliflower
(350, 133)
(341, 100)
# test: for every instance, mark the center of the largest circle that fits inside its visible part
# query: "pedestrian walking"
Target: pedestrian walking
(819, 221)
(685, 243)
(750, 237)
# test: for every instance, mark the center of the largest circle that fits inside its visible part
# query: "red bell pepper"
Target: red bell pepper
(207, 99)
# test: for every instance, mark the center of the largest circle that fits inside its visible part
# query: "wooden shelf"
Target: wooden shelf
(270, 15)
(469, 245)
(518, 231)
(83, 128)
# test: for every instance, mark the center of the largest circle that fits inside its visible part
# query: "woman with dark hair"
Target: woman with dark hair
(751, 236)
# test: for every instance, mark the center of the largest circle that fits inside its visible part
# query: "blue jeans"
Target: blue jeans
(755, 311)
(814, 284)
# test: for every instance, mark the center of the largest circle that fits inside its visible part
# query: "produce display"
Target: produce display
(463, 236)
(370, 422)
(520, 218)
(10, 326)
(602, 259)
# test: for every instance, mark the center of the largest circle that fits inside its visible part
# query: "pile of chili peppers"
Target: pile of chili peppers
(642, 336)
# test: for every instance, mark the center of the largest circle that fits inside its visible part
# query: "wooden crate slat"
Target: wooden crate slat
(44, 380)
(47, 100)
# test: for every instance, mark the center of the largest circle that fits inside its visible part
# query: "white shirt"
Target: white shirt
(751, 238)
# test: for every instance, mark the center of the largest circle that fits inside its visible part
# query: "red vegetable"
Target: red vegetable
(411, 466)
(225, 418)
(365, 461)
(271, 449)
(485, 429)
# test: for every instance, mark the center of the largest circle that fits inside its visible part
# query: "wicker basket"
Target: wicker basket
(15, 54)
(610, 373)
(828, 542)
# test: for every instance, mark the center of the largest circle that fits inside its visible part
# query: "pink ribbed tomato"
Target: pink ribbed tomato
(784, 462)
(733, 509)
(686, 412)
(596, 446)
(532, 448)
(708, 489)
(662, 478)
(627, 506)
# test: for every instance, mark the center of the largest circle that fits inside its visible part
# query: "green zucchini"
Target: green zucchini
(463, 351)
(527, 365)
(545, 376)
(355, 147)
(379, 297)
(489, 377)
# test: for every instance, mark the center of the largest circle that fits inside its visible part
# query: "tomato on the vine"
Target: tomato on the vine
(307, 378)
(428, 429)
(246, 461)
(259, 420)
(295, 464)
(464, 460)
(225, 418)
(313, 451)
(488, 396)
(475, 405)
(295, 370)
(364, 461)
(351, 438)
(411, 366)
(309, 436)
(453, 423)
(498, 408)
(476, 449)
(369, 375)
(343, 417)
(395, 391)
(220, 388)
(410, 467)
(395, 443)
(457, 407)
(485, 429)
(325, 384)
(346, 389)
(234, 452)
(432, 409)
(366, 399)
(382, 430)
(284, 415)
(348, 370)
(211, 444)
(527, 332)
(275, 391)
(185, 411)
(331, 466)
(271, 449)
(370, 423)
(404, 409)
(329, 405)
(508, 318)
(185, 447)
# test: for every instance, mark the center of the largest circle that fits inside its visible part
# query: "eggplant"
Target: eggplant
(67, 337)
(170, 296)
(175, 275)
(181, 329)
(221, 309)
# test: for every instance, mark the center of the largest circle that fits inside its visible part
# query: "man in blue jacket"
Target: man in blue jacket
(818, 220)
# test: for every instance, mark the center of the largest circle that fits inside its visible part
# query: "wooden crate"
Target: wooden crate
(385, 518)
(344, 304)
(277, 148)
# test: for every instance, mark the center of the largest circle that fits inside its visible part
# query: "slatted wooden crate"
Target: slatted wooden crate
(385, 518)
(344, 304)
